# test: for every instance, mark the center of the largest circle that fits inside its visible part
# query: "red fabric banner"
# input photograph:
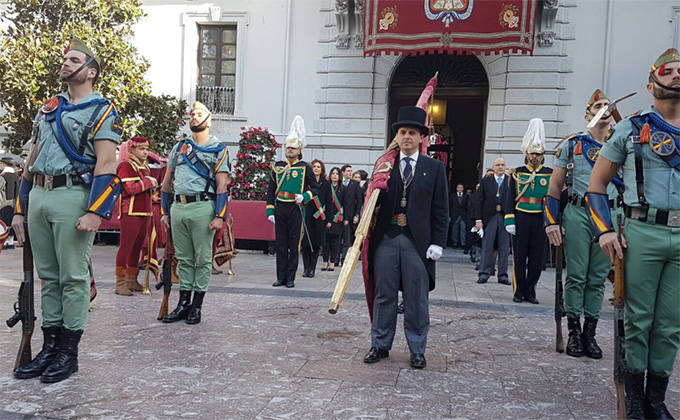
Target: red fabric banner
(462, 26)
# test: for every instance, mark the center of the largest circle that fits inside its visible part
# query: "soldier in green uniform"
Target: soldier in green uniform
(527, 186)
(69, 185)
(587, 265)
(194, 203)
(292, 184)
(647, 147)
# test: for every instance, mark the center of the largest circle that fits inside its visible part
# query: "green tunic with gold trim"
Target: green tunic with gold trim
(287, 181)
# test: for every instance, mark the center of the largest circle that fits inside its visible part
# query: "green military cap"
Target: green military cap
(79, 45)
(598, 95)
(671, 55)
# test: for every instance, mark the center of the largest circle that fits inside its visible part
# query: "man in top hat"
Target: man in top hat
(646, 147)
(196, 185)
(135, 212)
(9, 188)
(587, 265)
(291, 185)
(71, 177)
(409, 234)
(527, 186)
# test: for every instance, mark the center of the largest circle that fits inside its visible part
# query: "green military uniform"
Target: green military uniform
(61, 251)
(647, 148)
(192, 211)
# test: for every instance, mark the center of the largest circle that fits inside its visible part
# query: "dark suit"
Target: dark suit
(458, 208)
(399, 256)
(351, 205)
(489, 197)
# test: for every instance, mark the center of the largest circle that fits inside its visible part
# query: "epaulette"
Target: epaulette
(511, 171)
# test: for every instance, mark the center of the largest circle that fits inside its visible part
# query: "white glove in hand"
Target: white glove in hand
(480, 232)
(299, 198)
(511, 229)
(271, 219)
(434, 252)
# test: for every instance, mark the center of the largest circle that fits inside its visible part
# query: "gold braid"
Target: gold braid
(526, 183)
(283, 171)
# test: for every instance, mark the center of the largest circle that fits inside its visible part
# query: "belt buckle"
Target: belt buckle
(49, 182)
(673, 218)
(183, 199)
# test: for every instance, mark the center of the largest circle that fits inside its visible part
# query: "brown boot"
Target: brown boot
(131, 283)
(121, 289)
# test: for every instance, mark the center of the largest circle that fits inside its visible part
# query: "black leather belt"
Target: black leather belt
(579, 201)
(665, 218)
(49, 182)
(184, 199)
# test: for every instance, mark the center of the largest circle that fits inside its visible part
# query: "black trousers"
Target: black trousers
(288, 234)
(309, 257)
(528, 247)
(331, 251)
(347, 239)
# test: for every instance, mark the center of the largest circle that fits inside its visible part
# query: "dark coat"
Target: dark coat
(486, 198)
(427, 208)
(351, 201)
(331, 210)
(316, 226)
(458, 209)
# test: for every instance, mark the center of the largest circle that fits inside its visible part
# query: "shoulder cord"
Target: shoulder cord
(279, 180)
(61, 137)
(526, 183)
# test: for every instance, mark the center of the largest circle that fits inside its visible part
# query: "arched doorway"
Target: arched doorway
(463, 86)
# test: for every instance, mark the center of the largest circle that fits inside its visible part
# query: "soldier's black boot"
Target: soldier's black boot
(574, 344)
(635, 396)
(590, 347)
(182, 310)
(42, 360)
(312, 263)
(194, 316)
(66, 362)
(655, 408)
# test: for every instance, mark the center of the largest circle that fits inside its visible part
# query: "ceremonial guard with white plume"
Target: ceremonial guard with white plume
(646, 147)
(523, 219)
(194, 206)
(69, 185)
(291, 185)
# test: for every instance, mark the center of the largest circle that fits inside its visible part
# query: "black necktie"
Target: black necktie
(407, 168)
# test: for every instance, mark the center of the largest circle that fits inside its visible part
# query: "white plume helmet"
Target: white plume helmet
(296, 135)
(534, 138)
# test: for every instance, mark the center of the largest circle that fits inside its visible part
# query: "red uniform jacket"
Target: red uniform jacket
(135, 199)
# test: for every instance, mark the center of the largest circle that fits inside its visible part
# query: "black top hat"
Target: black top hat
(411, 116)
(8, 161)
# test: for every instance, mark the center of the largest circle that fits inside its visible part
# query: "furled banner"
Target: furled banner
(463, 26)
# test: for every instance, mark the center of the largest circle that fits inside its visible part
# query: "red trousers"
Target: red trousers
(133, 231)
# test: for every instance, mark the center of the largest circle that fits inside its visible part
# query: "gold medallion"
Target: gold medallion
(403, 201)
(543, 182)
(295, 174)
(401, 220)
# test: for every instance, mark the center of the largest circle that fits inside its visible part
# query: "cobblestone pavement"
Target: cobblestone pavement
(276, 353)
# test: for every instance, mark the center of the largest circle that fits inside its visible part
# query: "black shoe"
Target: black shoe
(418, 361)
(517, 299)
(590, 347)
(400, 307)
(311, 273)
(482, 280)
(290, 284)
(466, 251)
(375, 354)
(194, 316)
(477, 267)
(324, 268)
(304, 273)
(51, 337)
(182, 310)
(635, 396)
(504, 281)
(531, 300)
(574, 344)
(66, 362)
(278, 283)
(655, 407)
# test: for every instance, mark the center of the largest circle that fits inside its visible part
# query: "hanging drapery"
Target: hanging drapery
(461, 26)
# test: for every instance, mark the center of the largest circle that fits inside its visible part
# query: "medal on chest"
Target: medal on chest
(592, 153)
(662, 143)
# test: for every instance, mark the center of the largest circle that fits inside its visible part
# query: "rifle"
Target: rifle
(559, 298)
(24, 309)
(166, 276)
(619, 332)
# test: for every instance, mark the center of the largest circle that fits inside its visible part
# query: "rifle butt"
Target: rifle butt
(24, 354)
(164, 307)
(559, 343)
(620, 400)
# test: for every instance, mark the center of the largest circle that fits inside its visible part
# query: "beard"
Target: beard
(78, 78)
(660, 93)
(199, 128)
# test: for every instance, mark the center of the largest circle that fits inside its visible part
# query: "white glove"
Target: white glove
(271, 219)
(299, 198)
(480, 232)
(434, 252)
(511, 229)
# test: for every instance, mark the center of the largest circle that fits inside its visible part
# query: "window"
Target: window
(217, 67)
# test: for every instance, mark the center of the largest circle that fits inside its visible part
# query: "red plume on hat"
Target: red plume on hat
(425, 97)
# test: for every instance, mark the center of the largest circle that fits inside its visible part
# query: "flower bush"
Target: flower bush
(257, 148)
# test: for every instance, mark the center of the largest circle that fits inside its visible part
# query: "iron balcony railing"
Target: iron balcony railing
(218, 99)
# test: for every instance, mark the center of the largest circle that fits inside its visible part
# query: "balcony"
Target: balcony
(218, 99)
